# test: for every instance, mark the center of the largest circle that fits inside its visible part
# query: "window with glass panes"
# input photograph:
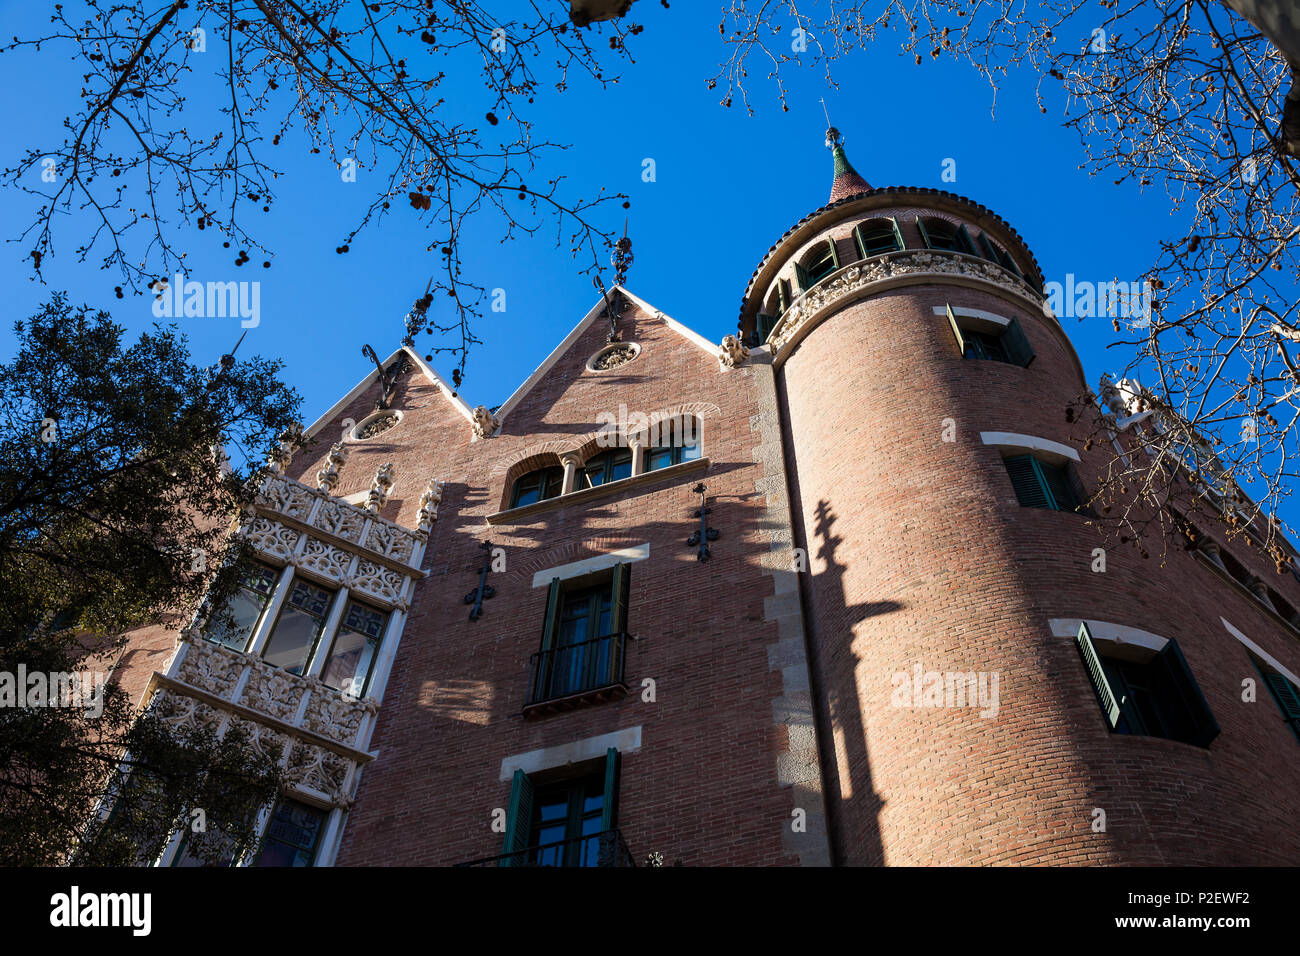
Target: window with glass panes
(878, 236)
(537, 486)
(1155, 696)
(352, 655)
(298, 627)
(244, 609)
(582, 637)
(557, 821)
(821, 264)
(684, 445)
(608, 466)
(1040, 484)
(942, 234)
(292, 835)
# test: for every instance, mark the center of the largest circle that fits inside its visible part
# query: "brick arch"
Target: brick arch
(539, 455)
(700, 410)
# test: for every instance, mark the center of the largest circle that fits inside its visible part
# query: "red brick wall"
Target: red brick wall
(703, 787)
(927, 557)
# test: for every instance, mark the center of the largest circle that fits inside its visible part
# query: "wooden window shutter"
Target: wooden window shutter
(1097, 674)
(783, 293)
(898, 233)
(1288, 700)
(857, 238)
(765, 325)
(1170, 660)
(964, 239)
(956, 331)
(925, 236)
(552, 614)
(986, 248)
(619, 596)
(519, 819)
(835, 253)
(801, 276)
(1010, 263)
(1017, 345)
(1057, 479)
(1025, 480)
(609, 815)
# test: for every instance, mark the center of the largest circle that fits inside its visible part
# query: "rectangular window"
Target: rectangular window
(292, 836)
(583, 638)
(245, 607)
(352, 655)
(1041, 485)
(1155, 696)
(657, 458)
(1009, 345)
(299, 626)
(566, 821)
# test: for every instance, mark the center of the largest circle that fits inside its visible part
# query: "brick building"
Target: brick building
(488, 635)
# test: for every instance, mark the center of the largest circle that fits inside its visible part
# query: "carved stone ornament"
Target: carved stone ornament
(376, 425)
(328, 477)
(211, 667)
(429, 502)
(485, 423)
(732, 352)
(380, 486)
(862, 274)
(613, 356)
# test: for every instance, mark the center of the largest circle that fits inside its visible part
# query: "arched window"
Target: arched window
(606, 467)
(820, 262)
(537, 486)
(875, 237)
(942, 234)
(680, 442)
(995, 253)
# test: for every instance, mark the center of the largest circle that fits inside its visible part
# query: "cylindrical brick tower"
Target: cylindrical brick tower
(923, 386)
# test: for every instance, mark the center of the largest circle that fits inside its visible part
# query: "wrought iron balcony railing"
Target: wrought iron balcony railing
(606, 848)
(573, 671)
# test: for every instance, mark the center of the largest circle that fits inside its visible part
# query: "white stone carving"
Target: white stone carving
(379, 581)
(273, 691)
(262, 739)
(485, 423)
(325, 559)
(318, 769)
(862, 274)
(380, 486)
(273, 538)
(341, 520)
(288, 497)
(211, 667)
(390, 540)
(332, 715)
(732, 352)
(182, 712)
(328, 477)
(429, 502)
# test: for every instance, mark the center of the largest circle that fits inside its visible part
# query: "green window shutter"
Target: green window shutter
(857, 238)
(609, 815)
(986, 248)
(801, 276)
(519, 819)
(1170, 660)
(898, 233)
(552, 614)
(956, 331)
(835, 253)
(925, 236)
(1059, 486)
(1025, 480)
(1017, 345)
(619, 597)
(765, 324)
(783, 293)
(964, 239)
(1288, 700)
(1106, 696)
(1010, 263)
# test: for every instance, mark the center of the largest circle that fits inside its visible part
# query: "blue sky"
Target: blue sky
(727, 185)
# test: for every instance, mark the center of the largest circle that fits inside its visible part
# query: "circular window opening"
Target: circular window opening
(612, 356)
(376, 424)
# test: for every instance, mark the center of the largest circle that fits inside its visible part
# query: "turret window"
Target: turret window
(876, 237)
(820, 262)
(1006, 343)
(942, 234)
(1040, 484)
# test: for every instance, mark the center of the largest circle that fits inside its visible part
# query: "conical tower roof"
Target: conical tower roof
(847, 182)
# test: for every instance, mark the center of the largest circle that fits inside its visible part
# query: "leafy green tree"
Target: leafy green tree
(122, 470)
